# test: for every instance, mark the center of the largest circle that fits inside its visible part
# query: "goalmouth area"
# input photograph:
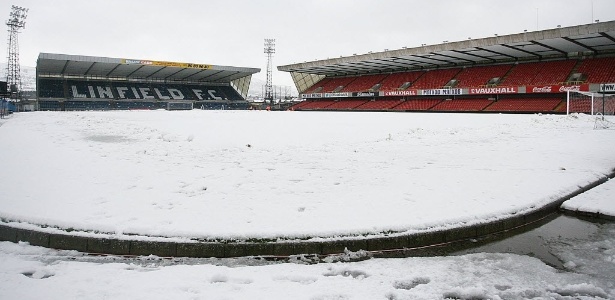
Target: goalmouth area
(186, 183)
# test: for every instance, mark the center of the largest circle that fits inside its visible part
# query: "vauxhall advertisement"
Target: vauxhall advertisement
(608, 87)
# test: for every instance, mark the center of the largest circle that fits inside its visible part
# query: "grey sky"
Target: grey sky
(231, 32)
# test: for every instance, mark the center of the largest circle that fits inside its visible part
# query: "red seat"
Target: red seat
(435, 79)
(479, 76)
(396, 80)
(363, 83)
(316, 104)
(535, 105)
(345, 104)
(328, 85)
(539, 73)
(378, 105)
(462, 105)
(417, 105)
(598, 70)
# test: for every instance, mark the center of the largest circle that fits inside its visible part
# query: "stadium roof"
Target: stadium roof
(104, 67)
(558, 43)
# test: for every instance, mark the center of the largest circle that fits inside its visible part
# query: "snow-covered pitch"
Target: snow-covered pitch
(257, 174)
(287, 174)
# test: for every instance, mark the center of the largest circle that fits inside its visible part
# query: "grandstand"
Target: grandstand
(527, 72)
(70, 82)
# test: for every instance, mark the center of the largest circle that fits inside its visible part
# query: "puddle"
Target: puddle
(543, 241)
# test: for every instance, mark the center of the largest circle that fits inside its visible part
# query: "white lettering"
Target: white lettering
(104, 92)
(575, 88)
(121, 91)
(160, 96)
(176, 94)
(442, 92)
(331, 95)
(607, 87)
(315, 95)
(400, 93)
(198, 93)
(212, 94)
(146, 93)
(135, 92)
(76, 93)
(91, 90)
(502, 90)
(544, 89)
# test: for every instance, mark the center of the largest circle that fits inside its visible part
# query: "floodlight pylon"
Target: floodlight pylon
(269, 50)
(15, 23)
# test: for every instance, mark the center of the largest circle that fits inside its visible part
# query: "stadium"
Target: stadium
(69, 82)
(528, 72)
(553, 71)
(338, 173)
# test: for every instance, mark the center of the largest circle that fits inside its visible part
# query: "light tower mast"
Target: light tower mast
(16, 21)
(269, 50)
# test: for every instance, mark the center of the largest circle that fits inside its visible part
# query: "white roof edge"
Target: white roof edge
(97, 59)
(454, 45)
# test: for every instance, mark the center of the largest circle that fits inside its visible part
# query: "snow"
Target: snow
(28, 272)
(257, 174)
(192, 174)
(597, 200)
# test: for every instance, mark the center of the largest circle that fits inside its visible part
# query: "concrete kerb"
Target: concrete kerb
(588, 215)
(200, 250)
(596, 215)
(164, 249)
(286, 248)
(35, 238)
(68, 242)
(108, 246)
(336, 247)
(8, 233)
(583, 189)
(387, 243)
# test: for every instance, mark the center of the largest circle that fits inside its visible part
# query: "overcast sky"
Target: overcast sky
(231, 32)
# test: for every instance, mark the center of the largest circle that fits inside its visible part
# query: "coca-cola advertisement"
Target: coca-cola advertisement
(556, 88)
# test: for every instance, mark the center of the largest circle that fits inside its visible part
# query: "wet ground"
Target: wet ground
(556, 240)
